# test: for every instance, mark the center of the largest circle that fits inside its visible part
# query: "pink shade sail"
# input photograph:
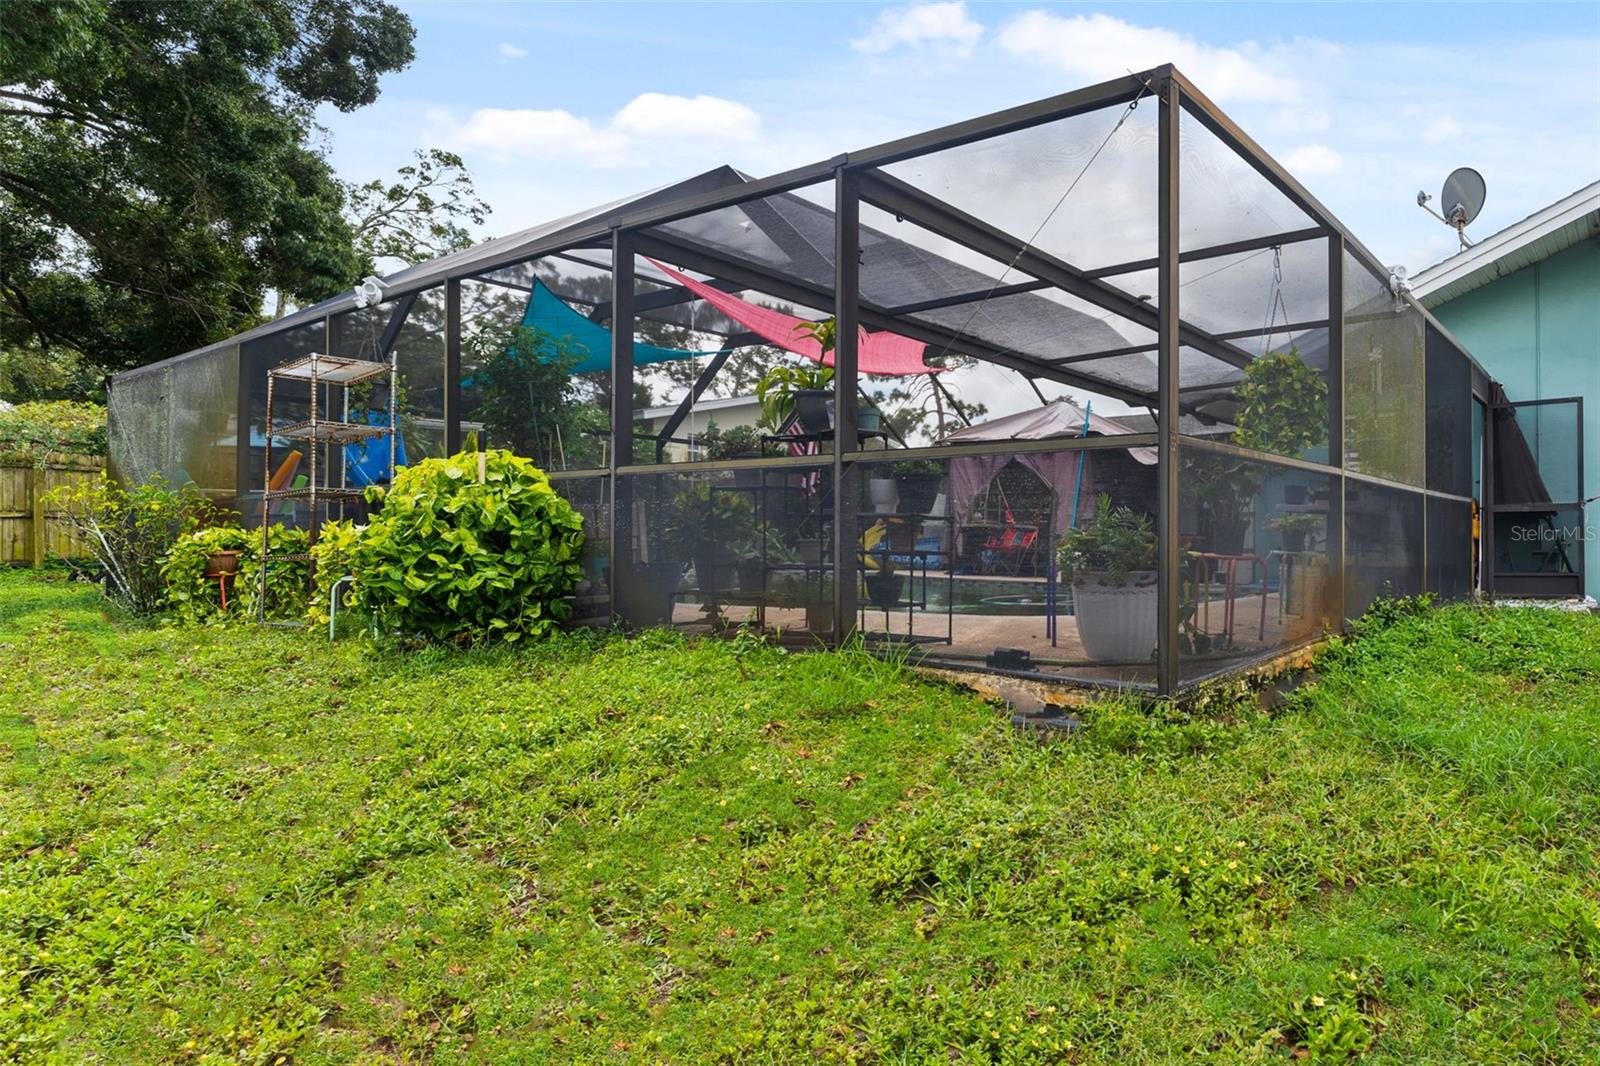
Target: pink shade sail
(883, 353)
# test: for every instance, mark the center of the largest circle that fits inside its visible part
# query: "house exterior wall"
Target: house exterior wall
(1538, 332)
(745, 413)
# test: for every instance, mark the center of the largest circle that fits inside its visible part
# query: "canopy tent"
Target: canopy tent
(552, 315)
(971, 476)
(883, 353)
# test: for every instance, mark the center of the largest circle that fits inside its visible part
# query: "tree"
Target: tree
(912, 403)
(155, 173)
(419, 215)
(415, 217)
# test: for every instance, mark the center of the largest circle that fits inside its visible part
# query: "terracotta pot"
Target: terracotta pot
(223, 563)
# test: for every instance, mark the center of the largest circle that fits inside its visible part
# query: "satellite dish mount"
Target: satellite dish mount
(1460, 201)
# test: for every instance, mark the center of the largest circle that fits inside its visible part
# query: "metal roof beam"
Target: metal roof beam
(759, 278)
(1231, 335)
(899, 198)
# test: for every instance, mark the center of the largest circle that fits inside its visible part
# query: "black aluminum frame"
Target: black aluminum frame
(857, 177)
(1518, 583)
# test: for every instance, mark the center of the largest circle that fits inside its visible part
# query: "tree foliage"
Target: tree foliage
(419, 215)
(155, 172)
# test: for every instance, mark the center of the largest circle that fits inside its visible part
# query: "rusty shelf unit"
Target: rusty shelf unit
(319, 433)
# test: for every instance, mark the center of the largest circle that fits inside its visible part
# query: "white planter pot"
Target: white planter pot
(1116, 623)
(885, 496)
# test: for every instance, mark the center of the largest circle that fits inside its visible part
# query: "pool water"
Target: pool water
(994, 596)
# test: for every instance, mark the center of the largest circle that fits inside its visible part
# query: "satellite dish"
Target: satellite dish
(1459, 201)
(1462, 196)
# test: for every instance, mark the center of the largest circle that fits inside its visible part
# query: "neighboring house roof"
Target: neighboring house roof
(1567, 222)
(715, 403)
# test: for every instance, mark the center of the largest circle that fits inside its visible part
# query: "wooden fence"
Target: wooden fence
(31, 530)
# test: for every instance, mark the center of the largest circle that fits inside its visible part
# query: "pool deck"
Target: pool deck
(1259, 626)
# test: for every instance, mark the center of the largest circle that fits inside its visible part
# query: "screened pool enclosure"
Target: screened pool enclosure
(1113, 400)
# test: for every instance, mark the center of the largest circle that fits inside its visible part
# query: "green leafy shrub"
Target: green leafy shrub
(31, 431)
(191, 596)
(131, 533)
(286, 578)
(731, 443)
(1116, 542)
(333, 557)
(451, 557)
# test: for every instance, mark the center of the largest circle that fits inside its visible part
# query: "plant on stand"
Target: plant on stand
(917, 483)
(777, 389)
(1295, 527)
(704, 526)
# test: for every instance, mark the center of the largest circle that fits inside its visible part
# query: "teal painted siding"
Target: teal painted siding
(1538, 332)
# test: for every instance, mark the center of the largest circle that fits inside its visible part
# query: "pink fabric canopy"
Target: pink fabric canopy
(884, 353)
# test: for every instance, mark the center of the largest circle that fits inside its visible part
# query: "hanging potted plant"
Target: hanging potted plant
(1111, 564)
(1283, 410)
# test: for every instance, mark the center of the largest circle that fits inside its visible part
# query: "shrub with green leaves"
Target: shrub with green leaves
(130, 532)
(191, 597)
(452, 557)
(333, 557)
(1116, 542)
(30, 431)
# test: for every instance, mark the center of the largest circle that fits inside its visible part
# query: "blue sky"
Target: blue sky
(556, 107)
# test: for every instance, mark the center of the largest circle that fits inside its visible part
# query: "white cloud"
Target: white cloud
(945, 26)
(1313, 159)
(1097, 47)
(1440, 129)
(525, 133)
(511, 51)
(661, 115)
(1303, 119)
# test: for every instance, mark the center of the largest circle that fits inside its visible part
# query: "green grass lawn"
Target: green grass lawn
(224, 845)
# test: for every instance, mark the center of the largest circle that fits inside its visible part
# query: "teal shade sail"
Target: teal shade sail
(552, 315)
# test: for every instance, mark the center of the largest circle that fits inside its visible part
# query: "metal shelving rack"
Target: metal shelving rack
(318, 370)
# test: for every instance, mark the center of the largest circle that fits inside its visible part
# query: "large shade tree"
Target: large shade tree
(156, 175)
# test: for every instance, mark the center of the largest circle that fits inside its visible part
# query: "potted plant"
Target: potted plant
(1295, 528)
(735, 442)
(762, 551)
(223, 563)
(882, 577)
(825, 333)
(778, 388)
(812, 591)
(703, 526)
(917, 482)
(1111, 564)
